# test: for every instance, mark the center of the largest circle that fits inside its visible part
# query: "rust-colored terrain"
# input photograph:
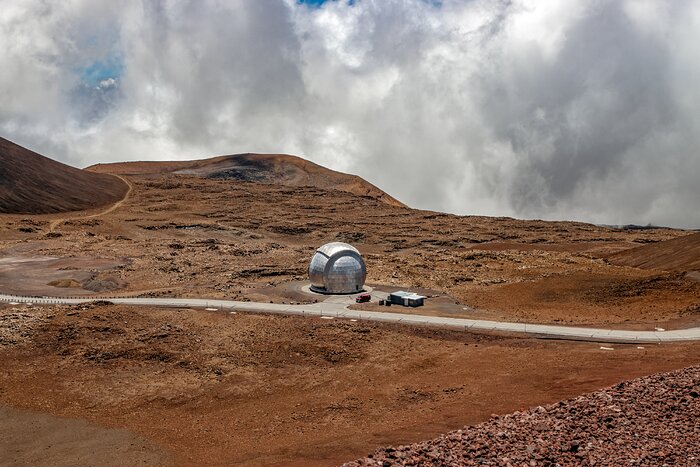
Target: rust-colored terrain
(213, 388)
(278, 169)
(680, 254)
(34, 184)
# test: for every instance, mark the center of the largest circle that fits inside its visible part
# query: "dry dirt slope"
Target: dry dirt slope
(33, 184)
(280, 169)
(678, 254)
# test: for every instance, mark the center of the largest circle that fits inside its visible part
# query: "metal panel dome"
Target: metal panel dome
(337, 268)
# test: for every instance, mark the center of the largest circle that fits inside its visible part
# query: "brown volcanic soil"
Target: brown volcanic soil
(279, 169)
(31, 438)
(678, 254)
(219, 389)
(33, 184)
(222, 389)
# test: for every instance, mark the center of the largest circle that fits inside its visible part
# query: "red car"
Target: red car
(363, 297)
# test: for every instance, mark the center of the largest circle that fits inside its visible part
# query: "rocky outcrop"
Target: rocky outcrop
(647, 421)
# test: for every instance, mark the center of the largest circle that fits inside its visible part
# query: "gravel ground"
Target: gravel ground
(653, 420)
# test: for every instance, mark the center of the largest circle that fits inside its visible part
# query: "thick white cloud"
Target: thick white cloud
(561, 110)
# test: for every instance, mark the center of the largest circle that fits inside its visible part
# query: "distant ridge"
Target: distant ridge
(33, 184)
(279, 169)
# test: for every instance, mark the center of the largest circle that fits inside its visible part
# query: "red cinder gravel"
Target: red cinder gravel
(652, 421)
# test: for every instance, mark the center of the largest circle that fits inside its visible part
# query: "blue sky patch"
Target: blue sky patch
(318, 3)
(102, 70)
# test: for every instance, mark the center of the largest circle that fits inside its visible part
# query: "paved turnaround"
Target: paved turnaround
(340, 310)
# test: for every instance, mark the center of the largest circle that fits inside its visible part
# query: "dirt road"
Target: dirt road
(55, 223)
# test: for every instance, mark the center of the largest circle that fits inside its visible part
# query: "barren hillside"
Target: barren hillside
(678, 254)
(33, 184)
(186, 235)
(220, 388)
(280, 169)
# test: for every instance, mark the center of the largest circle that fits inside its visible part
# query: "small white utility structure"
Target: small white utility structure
(406, 298)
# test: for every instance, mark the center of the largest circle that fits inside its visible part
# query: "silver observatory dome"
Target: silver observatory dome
(337, 268)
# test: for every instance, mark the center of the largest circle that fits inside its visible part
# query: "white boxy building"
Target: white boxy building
(406, 298)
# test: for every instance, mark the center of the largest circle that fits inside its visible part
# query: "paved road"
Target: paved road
(340, 310)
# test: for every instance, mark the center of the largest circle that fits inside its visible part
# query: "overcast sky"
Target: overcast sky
(586, 110)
